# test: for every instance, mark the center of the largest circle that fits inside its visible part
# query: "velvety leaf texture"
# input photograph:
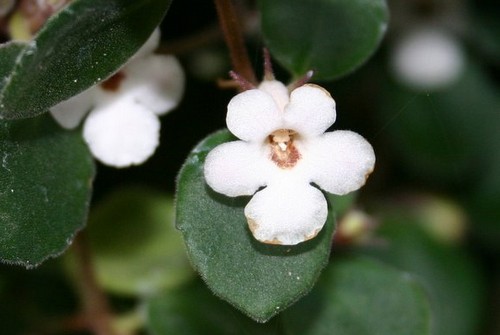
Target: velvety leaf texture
(331, 37)
(9, 53)
(259, 279)
(78, 47)
(45, 186)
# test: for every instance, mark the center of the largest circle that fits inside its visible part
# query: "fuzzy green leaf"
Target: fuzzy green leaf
(78, 47)
(358, 296)
(259, 279)
(9, 53)
(45, 185)
(331, 37)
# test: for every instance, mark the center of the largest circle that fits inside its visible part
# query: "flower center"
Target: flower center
(283, 151)
(113, 83)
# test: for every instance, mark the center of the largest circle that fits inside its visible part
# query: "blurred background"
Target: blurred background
(428, 101)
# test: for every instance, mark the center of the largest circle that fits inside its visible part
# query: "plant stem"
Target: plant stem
(233, 36)
(95, 304)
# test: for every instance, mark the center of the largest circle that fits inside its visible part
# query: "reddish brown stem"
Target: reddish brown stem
(233, 36)
(268, 66)
(95, 304)
(242, 82)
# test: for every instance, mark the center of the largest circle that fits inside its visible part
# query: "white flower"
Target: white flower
(284, 150)
(122, 127)
(428, 59)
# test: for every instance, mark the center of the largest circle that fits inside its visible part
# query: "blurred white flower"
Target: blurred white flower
(122, 127)
(283, 149)
(428, 59)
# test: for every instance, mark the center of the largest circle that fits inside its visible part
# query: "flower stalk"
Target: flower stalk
(231, 29)
(95, 304)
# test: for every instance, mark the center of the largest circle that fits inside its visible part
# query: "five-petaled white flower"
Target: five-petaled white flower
(284, 150)
(122, 127)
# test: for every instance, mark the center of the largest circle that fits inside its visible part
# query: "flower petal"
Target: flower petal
(253, 115)
(340, 161)
(154, 81)
(278, 91)
(237, 168)
(69, 113)
(311, 110)
(122, 133)
(286, 213)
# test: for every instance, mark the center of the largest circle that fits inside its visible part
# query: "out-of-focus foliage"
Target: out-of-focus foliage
(194, 310)
(352, 285)
(335, 36)
(136, 249)
(413, 268)
(346, 288)
(404, 243)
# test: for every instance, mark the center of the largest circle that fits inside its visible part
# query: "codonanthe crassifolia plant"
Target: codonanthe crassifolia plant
(282, 154)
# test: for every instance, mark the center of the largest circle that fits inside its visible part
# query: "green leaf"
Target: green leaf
(45, 185)
(194, 310)
(9, 53)
(331, 37)
(341, 203)
(78, 47)
(483, 202)
(447, 273)
(259, 279)
(358, 296)
(484, 29)
(136, 248)
(483, 205)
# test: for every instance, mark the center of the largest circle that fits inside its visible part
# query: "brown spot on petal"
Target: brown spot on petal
(368, 173)
(312, 235)
(254, 226)
(284, 153)
(274, 241)
(113, 83)
(321, 88)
